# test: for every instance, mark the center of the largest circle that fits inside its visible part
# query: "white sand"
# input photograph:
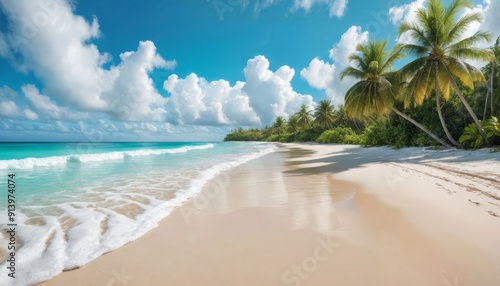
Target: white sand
(325, 215)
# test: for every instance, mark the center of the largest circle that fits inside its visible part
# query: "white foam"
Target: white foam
(43, 258)
(30, 163)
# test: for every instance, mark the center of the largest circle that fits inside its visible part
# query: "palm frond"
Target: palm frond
(457, 31)
(352, 72)
(472, 53)
(478, 37)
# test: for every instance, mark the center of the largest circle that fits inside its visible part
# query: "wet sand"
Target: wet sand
(323, 215)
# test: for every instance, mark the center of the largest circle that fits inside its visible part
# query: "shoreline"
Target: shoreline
(333, 211)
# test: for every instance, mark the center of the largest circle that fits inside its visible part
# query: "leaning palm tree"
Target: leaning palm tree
(490, 68)
(378, 87)
(436, 39)
(324, 114)
(304, 117)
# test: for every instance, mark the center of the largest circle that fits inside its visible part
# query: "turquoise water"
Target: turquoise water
(76, 201)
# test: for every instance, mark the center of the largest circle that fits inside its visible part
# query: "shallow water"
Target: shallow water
(75, 202)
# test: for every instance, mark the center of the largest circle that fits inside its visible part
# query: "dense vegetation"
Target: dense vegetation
(432, 100)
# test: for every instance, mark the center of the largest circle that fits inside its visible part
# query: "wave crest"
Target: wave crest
(30, 163)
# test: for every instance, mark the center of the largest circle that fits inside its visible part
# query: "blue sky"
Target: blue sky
(179, 70)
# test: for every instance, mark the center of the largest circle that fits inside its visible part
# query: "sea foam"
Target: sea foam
(68, 235)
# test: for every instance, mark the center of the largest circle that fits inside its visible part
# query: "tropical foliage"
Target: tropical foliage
(436, 40)
(437, 94)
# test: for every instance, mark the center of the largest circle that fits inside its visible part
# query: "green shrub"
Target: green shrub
(421, 139)
(379, 133)
(273, 138)
(308, 135)
(245, 135)
(287, 138)
(376, 134)
(354, 139)
(471, 137)
(336, 135)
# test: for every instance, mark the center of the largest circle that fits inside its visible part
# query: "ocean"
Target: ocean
(76, 201)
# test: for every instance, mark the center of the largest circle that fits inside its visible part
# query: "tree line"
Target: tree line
(434, 99)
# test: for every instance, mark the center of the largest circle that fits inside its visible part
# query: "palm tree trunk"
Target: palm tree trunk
(490, 91)
(441, 118)
(491, 83)
(486, 103)
(469, 109)
(434, 136)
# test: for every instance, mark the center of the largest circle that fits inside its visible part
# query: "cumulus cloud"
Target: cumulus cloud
(271, 93)
(54, 43)
(263, 96)
(194, 100)
(326, 76)
(133, 96)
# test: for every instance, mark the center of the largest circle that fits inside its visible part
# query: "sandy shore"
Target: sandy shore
(325, 215)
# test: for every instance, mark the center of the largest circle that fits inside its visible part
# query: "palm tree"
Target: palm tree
(436, 41)
(378, 87)
(293, 124)
(304, 117)
(324, 116)
(279, 125)
(491, 69)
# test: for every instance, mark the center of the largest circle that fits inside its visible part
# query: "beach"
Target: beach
(324, 215)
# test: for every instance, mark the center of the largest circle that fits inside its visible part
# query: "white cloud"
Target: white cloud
(56, 45)
(4, 47)
(46, 106)
(133, 96)
(406, 12)
(9, 108)
(490, 10)
(8, 93)
(61, 127)
(271, 93)
(326, 76)
(193, 100)
(336, 8)
(492, 17)
(263, 96)
(319, 74)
